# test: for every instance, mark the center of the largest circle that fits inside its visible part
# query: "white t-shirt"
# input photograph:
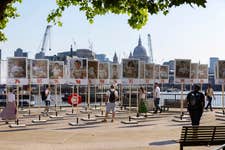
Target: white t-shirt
(157, 92)
(47, 92)
(11, 97)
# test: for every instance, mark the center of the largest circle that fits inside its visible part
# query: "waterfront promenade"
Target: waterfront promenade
(158, 132)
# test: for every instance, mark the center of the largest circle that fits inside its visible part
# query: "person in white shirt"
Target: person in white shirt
(157, 98)
(48, 99)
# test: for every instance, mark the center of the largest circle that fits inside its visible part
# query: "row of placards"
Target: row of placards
(83, 71)
(187, 72)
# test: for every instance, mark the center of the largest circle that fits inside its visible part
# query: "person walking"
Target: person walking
(196, 103)
(209, 93)
(48, 99)
(112, 96)
(157, 98)
(141, 104)
(9, 112)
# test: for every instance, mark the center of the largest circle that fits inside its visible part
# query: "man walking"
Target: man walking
(157, 98)
(112, 96)
(196, 103)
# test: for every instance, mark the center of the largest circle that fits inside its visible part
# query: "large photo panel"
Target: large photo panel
(56, 72)
(17, 71)
(164, 74)
(39, 71)
(182, 70)
(149, 73)
(194, 73)
(103, 73)
(157, 73)
(93, 71)
(130, 71)
(78, 71)
(115, 73)
(220, 72)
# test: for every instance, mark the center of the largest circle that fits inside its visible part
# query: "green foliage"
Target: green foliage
(7, 11)
(137, 10)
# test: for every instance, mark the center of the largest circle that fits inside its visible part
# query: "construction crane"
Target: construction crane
(150, 49)
(46, 40)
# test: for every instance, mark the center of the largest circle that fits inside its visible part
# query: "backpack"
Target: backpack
(112, 96)
(43, 95)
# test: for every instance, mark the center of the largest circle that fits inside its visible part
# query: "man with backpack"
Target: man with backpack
(112, 96)
(196, 103)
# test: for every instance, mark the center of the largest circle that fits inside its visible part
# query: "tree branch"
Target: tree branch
(3, 7)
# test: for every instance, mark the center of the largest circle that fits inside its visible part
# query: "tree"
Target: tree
(137, 10)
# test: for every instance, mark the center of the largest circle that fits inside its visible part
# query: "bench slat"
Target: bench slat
(202, 135)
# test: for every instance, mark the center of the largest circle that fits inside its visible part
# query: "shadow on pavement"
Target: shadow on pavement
(77, 127)
(166, 142)
(136, 125)
(19, 129)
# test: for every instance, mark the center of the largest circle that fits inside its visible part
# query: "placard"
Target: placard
(17, 71)
(56, 72)
(182, 71)
(78, 71)
(130, 71)
(39, 71)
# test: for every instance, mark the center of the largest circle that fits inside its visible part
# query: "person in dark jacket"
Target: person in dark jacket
(196, 103)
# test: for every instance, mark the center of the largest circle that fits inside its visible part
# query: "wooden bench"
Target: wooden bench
(202, 135)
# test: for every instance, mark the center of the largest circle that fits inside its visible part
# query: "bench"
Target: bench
(202, 135)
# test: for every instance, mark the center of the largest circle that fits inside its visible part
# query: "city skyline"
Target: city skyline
(185, 33)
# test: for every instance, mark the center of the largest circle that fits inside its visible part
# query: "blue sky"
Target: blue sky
(186, 32)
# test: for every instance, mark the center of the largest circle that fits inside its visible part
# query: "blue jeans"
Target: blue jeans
(209, 99)
(156, 102)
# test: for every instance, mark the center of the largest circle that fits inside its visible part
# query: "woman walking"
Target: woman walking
(9, 112)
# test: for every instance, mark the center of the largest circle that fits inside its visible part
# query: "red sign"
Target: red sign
(17, 81)
(77, 81)
(74, 99)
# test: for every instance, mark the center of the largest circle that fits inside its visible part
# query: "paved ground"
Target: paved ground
(157, 132)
